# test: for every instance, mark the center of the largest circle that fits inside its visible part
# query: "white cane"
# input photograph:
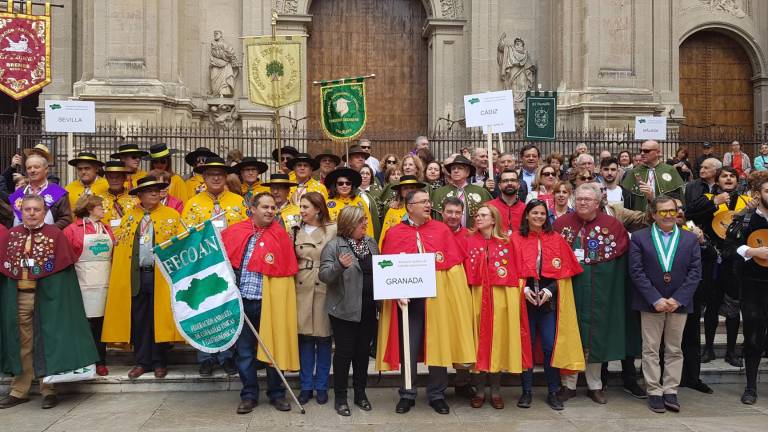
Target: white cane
(274, 363)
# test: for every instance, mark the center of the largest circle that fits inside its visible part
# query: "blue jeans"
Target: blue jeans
(247, 365)
(544, 324)
(219, 357)
(315, 361)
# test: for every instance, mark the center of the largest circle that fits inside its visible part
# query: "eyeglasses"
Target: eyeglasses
(667, 213)
(391, 162)
(343, 183)
(422, 202)
(647, 150)
(585, 178)
(548, 174)
(365, 147)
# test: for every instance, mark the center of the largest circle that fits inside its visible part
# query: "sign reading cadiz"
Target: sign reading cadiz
(404, 276)
(274, 70)
(342, 109)
(205, 300)
(492, 110)
(25, 52)
(541, 116)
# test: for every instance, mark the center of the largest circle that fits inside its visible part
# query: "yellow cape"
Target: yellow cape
(567, 354)
(336, 204)
(199, 208)
(394, 216)
(279, 325)
(75, 190)
(178, 189)
(506, 346)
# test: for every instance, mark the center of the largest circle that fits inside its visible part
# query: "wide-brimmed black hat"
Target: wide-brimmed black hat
(280, 179)
(349, 173)
(287, 149)
(408, 180)
(192, 156)
(355, 149)
(128, 149)
(213, 162)
(116, 167)
(329, 154)
(86, 157)
(160, 151)
(303, 157)
(250, 161)
(461, 160)
(146, 183)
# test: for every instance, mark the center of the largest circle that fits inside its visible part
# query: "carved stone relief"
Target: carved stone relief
(287, 7)
(733, 7)
(223, 116)
(452, 8)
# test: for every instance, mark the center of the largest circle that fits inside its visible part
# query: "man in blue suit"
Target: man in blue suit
(665, 265)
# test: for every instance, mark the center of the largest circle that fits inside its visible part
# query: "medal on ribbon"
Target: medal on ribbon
(665, 252)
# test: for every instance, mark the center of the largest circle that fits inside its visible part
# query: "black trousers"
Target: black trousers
(691, 343)
(148, 354)
(754, 308)
(96, 324)
(353, 345)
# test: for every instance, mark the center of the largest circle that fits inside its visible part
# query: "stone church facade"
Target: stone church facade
(151, 61)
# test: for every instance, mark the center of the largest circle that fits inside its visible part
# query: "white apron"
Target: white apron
(93, 269)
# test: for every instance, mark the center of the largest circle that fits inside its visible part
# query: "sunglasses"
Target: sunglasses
(343, 183)
(391, 162)
(548, 174)
(646, 150)
(667, 213)
(584, 178)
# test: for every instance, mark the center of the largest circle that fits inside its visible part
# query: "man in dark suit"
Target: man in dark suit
(665, 265)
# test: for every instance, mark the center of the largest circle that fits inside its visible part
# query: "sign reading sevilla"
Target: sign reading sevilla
(25, 52)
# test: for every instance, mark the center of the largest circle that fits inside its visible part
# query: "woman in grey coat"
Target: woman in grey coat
(346, 269)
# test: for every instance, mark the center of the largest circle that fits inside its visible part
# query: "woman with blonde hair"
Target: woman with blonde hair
(544, 185)
(92, 244)
(500, 321)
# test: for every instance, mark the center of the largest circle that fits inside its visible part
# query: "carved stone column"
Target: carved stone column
(446, 69)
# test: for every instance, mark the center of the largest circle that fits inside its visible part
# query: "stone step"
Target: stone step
(186, 378)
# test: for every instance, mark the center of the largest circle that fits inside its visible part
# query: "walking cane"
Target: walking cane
(274, 363)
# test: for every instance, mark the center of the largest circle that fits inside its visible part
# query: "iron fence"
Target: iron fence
(259, 142)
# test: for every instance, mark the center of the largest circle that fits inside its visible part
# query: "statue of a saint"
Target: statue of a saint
(515, 67)
(224, 67)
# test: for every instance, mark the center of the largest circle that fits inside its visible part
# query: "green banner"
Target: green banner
(540, 116)
(205, 300)
(342, 110)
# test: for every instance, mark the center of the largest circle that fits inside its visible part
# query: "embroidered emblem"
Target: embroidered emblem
(501, 271)
(331, 204)
(556, 263)
(593, 244)
(605, 230)
(269, 258)
(439, 257)
(666, 177)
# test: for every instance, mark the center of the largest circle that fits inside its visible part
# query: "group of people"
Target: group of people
(570, 267)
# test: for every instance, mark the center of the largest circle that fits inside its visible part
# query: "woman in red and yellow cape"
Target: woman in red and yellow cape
(274, 258)
(501, 323)
(546, 265)
(448, 337)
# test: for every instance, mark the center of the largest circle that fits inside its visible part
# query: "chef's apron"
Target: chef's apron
(93, 269)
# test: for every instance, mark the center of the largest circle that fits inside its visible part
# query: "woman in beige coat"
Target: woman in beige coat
(310, 237)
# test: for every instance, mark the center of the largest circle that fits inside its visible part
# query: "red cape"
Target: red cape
(436, 238)
(511, 216)
(461, 238)
(557, 258)
(50, 250)
(490, 262)
(273, 254)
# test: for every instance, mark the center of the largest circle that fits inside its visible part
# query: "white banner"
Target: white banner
(650, 128)
(70, 116)
(404, 276)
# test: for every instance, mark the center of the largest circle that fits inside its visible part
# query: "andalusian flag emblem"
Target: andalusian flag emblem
(206, 302)
(342, 108)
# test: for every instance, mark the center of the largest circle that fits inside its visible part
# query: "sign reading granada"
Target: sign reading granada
(205, 300)
(25, 52)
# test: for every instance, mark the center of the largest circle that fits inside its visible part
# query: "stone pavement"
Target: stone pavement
(215, 411)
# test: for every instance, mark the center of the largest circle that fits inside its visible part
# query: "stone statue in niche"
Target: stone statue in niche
(222, 116)
(733, 7)
(516, 70)
(223, 66)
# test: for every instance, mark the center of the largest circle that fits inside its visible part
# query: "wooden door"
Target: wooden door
(383, 37)
(715, 85)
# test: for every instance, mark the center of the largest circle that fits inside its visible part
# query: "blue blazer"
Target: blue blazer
(648, 277)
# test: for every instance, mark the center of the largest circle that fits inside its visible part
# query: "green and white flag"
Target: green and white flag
(205, 300)
(343, 108)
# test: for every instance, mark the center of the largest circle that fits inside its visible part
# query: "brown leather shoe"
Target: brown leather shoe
(497, 402)
(136, 372)
(246, 406)
(477, 401)
(50, 401)
(11, 401)
(161, 372)
(565, 393)
(597, 396)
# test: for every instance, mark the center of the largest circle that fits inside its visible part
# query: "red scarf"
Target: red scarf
(272, 255)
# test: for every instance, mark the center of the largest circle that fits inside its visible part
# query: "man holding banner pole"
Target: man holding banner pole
(438, 329)
(261, 252)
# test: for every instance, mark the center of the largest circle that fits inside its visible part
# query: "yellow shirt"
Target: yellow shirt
(199, 208)
(311, 185)
(125, 203)
(117, 316)
(255, 189)
(336, 204)
(178, 189)
(76, 189)
(130, 182)
(289, 217)
(195, 185)
(394, 216)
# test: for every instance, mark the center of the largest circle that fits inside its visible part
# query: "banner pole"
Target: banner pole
(501, 144)
(189, 229)
(490, 152)
(406, 346)
(274, 363)
(70, 154)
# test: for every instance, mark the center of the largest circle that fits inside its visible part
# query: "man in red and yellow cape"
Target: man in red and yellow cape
(441, 329)
(261, 252)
